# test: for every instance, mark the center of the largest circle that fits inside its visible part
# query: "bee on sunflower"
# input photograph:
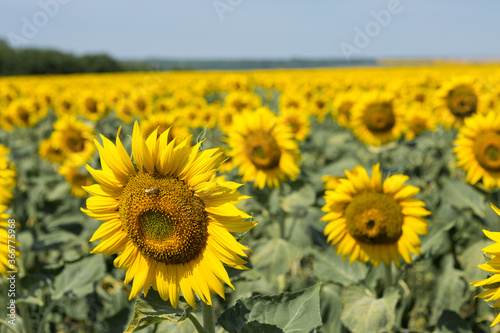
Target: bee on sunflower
(167, 216)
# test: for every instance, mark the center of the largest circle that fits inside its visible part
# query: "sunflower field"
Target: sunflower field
(326, 200)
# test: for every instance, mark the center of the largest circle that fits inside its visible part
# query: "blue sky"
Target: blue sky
(256, 29)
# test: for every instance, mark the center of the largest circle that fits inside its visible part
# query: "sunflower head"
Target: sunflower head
(23, 112)
(342, 107)
(298, 122)
(74, 139)
(124, 110)
(377, 119)
(75, 178)
(418, 119)
(460, 98)
(167, 216)
(478, 149)
(263, 148)
(375, 220)
(91, 106)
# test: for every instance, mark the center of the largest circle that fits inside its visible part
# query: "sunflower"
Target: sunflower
(240, 101)
(225, 119)
(298, 122)
(124, 110)
(75, 178)
(167, 216)
(64, 103)
(6, 119)
(141, 103)
(377, 119)
(292, 99)
(418, 119)
(492, 283)
(342, 106)
(478, 149)
(8, 173)
(92, 107)
(235, 82)
(23, 113)
(373, 220)
(7, 259)
(74, 138)
(208, 116)
(263, 148)
(319, 106)
(457, 100)
(164, 104)
(51, 152)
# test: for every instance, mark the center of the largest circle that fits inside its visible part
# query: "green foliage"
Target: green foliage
(363, 312)
(285, 312)
(77, 279)
(39, 61)
(152, 309)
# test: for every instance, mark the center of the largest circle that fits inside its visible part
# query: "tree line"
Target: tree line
(43, 61)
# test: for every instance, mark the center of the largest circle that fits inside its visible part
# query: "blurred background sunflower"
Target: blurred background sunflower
(373, 220)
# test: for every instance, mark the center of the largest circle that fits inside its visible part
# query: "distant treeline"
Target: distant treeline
(171, 65)
(41, 61)
(38, 61)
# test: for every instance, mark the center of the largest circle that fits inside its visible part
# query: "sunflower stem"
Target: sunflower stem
(45, 315)
(388, 275)
(196, 324)
(208, 318)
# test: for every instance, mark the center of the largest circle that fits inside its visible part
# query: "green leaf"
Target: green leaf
(153, 309)
(273, 257)
(451, 322)
(331, 308)
(77, 279)
(299, 200)
(255, 326)
(472, 257)
(450, 292)
(464, 196)
(290, 312)
(330, 267)
(437, 241)
(365, 313)
(337, 169)
(201, 137)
